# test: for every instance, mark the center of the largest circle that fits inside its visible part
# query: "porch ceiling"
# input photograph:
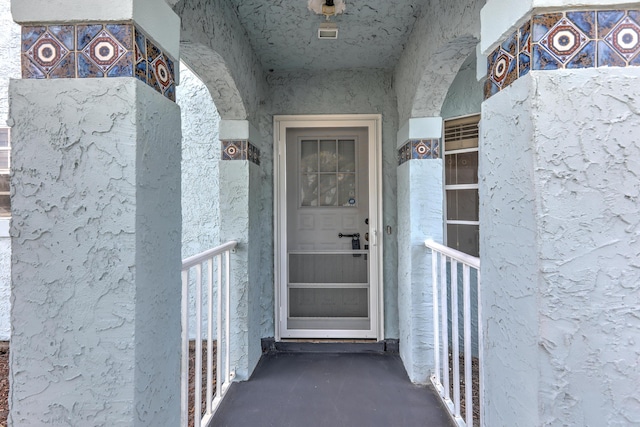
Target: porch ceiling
(283, 33)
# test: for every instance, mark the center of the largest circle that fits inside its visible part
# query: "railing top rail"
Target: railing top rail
(209, 253)
(453, 253)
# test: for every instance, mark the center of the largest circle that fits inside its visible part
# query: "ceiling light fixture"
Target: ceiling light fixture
(328, 8)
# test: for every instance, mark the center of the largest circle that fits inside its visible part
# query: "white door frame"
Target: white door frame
(373, 123)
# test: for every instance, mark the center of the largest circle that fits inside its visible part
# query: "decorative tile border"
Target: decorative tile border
(96, 50)
(419, 149)
(564, 40)
(240, 150)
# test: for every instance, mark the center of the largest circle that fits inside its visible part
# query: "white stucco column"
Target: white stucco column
(420, 216)
(240, 207)
(96, 215)
(559, 226)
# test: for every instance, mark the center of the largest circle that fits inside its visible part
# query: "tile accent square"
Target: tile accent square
(95, 50)
(240, 150)
(420, 149)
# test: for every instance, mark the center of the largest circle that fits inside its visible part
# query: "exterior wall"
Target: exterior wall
(200, 179)
(419, 217)
(559, 247)
(509, 260)
(9, 68)
(252, 291)
(465, 94)
(96, 251)
(345, 92)
(200, 158)
(425, 70)
(216, 47)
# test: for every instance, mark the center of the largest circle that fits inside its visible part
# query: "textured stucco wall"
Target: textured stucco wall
(241, 213)
(200, 180)
(443, 37)
(216, 47)
(347, 92)
(465, 94)
(5, 287)
(420, 216)
(200, 157)
(9, 68)
(560, 248)
(96, 254)
(9, 56)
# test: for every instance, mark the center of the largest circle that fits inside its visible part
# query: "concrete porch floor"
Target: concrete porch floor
(330, 390)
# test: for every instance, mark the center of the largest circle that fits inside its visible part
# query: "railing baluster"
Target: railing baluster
(219, 332)
(228, 322)
(184, 371)
(444, 305)
(480, 349)
(209, 335)
(436, 331)
(468, 380)
(455, 336)
(197, 399)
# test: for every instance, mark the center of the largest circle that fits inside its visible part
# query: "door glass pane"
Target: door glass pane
(309, 156)
(464, 238)
(309, 190)
(347, 156)
(328, 156)
(462, 205)
(346, 189)
(328, 302)
(328, 190)
(328, 268)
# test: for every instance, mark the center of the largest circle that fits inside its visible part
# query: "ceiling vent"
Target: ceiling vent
(328, 30)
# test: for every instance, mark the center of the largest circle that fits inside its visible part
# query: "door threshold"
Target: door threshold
(331, 340)
(269, 345)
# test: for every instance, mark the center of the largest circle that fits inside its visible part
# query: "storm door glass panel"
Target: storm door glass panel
(329, 302)
(328, 285)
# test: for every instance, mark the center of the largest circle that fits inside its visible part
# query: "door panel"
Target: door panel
(327, 193)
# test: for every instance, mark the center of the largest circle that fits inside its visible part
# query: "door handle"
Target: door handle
(353, 236)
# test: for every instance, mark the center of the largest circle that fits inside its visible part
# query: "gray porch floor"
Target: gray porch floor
(330, 390)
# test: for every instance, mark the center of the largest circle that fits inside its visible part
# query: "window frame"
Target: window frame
(6, 171)
(466, 119)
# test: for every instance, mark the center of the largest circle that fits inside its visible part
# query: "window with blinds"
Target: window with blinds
(461, 184)
(5, 158)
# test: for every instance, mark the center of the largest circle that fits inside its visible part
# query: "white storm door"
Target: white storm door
(327, 290)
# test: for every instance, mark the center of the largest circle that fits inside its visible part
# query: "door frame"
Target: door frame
(373, 123)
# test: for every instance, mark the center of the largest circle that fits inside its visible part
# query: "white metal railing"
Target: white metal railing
(446, 310)
(224, 375)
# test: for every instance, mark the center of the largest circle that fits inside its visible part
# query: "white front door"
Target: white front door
(328, 257)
